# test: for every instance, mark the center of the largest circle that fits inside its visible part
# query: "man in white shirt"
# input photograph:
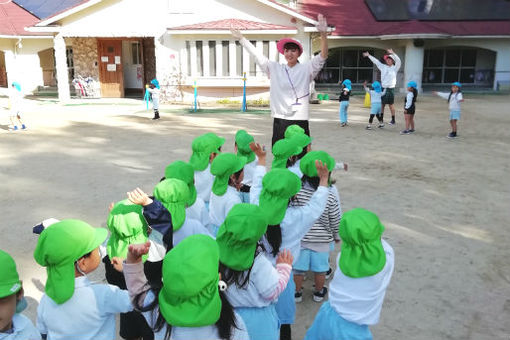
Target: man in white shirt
(290, 84)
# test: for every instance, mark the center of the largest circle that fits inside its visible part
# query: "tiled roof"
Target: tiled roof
(227, 24)
(14, 19)
(354, 18)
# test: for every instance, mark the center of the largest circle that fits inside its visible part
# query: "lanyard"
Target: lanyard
(294, 88)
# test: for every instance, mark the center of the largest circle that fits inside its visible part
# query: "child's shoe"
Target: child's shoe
(15, 127)
(392, 122)
(343, 124)
(298, 296)
(381, 125)
(404, 132)
(411, 130)
(328, 273)
(23, 127)
(452, 135)
(319, 296)
(369, 127)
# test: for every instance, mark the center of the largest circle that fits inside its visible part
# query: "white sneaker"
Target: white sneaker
(369, 127)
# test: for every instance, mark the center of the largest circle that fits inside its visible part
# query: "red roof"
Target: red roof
(354, 18)
(14, 19)
(227, 24)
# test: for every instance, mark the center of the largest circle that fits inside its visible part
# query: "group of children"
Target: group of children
(381, 95)
(218, 251)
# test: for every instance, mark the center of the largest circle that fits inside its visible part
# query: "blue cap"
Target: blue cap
(413, 84)
(16, 85)
(155, 82)
(347, 83)
(459, 85)
(376, 86)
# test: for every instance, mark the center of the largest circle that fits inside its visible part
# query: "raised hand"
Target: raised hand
(260, 151)
(135, 252)
(139, 197)
(390, 51)
(366, 54)
(117, 263)
(285, 256)
(322, 172)
(236, 33)
(322, 25)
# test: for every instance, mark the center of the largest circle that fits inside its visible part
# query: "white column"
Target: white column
(10, 67)
(193, 48)
(232, 57)
(184, 59)
(260, 50)
(205, 55)
(502, 66)
(219, 58)
(413, 64)
(61, 66)
(246, 62)
(273, 52)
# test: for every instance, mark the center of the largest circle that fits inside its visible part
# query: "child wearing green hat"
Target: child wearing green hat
(13, 324)
(227, 169)
(127, 225)
(196, 208)
(297, 134)
(365, 267)
(315, 245)
(253, 283)
(287, 222)
(285, 152)
(72, 306)
(191, 303)
(205, 148)
(242, 147)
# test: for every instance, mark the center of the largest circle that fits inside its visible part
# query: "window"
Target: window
(212, 58)
(136, 53)
(226, 58)
(448, 65)
(239, 59)
(188, 57)
(200, 58)
(253, 64)
(70, 62)
(265, 48)
(346, 63)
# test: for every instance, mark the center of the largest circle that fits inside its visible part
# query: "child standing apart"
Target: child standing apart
(365, 267)
(388, 78)
(410, 107)
(344, 101)
(16, 98)
(454, 99)
(375, 103)
(154, 90)
(13, 324)
(72, 306)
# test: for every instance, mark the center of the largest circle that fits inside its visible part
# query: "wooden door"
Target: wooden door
(110, 68)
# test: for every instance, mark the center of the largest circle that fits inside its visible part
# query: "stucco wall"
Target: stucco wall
(84, 57)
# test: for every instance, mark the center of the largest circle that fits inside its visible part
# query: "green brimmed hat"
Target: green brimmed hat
(243, 140)
(185, 172)
(202, 147)
(238, 235)
(59, 247)
(293, 130)
(189, 296)
(9, 278)
(127, 226)
(222, 167)
(174, 195)
(362, 252)
(278, 186)
(307, 164)
(301, 140)
(282, 151)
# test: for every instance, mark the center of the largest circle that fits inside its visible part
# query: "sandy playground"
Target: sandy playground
(445, 203)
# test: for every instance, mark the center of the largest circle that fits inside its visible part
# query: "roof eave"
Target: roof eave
(67, 13)
(44, 29)
(228, 32)
(5, 36)
(289, 11)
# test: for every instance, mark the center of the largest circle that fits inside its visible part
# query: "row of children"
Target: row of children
(382, 95)
(198, 263)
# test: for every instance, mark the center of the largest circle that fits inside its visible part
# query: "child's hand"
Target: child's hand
(147, 86)
(135, 252)
(390, 51)
(366, 54)
(365, 83)
(260, 151)
(117, 263)
(323, 172)
(285, 256)
(110, 207)
(139, 197)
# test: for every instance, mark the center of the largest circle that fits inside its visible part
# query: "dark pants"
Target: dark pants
(379, 118)
(280, 125)
(132, 324)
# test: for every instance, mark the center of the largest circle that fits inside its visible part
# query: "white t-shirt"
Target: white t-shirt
(249, 169)
(88, 315)
(22, 329)
(190, 227)
(219, 206)
(455, 100)
(203, 183)
(288, 84)
(198, 211)
(409, 100)
(388, 73)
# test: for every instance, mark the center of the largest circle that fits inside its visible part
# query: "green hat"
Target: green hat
(189, 296)
(183, 171)
(174, 195)
(307, 164)
(243, 140)
(238, 235)
(301, 139)
(202, 147)
(222, 167)
(293, 130)
(127, 226)
(278, 186)
(362, 253)
(9, 278)
(282, 151)
(59, 247)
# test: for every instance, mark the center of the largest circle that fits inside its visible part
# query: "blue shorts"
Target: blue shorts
(261, 323)
(317, 262)
(286, 305)
(375, 109)
(328, 324)
(454, 114)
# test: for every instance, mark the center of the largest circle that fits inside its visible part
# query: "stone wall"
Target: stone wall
(85, 57)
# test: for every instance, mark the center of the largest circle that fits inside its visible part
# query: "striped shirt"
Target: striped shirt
(324, 229)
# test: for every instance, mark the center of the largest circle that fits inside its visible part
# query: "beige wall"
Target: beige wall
(84, 57)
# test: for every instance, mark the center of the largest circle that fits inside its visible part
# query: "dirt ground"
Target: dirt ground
(445, 203)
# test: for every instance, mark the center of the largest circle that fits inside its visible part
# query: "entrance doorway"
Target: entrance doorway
(111, 74)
